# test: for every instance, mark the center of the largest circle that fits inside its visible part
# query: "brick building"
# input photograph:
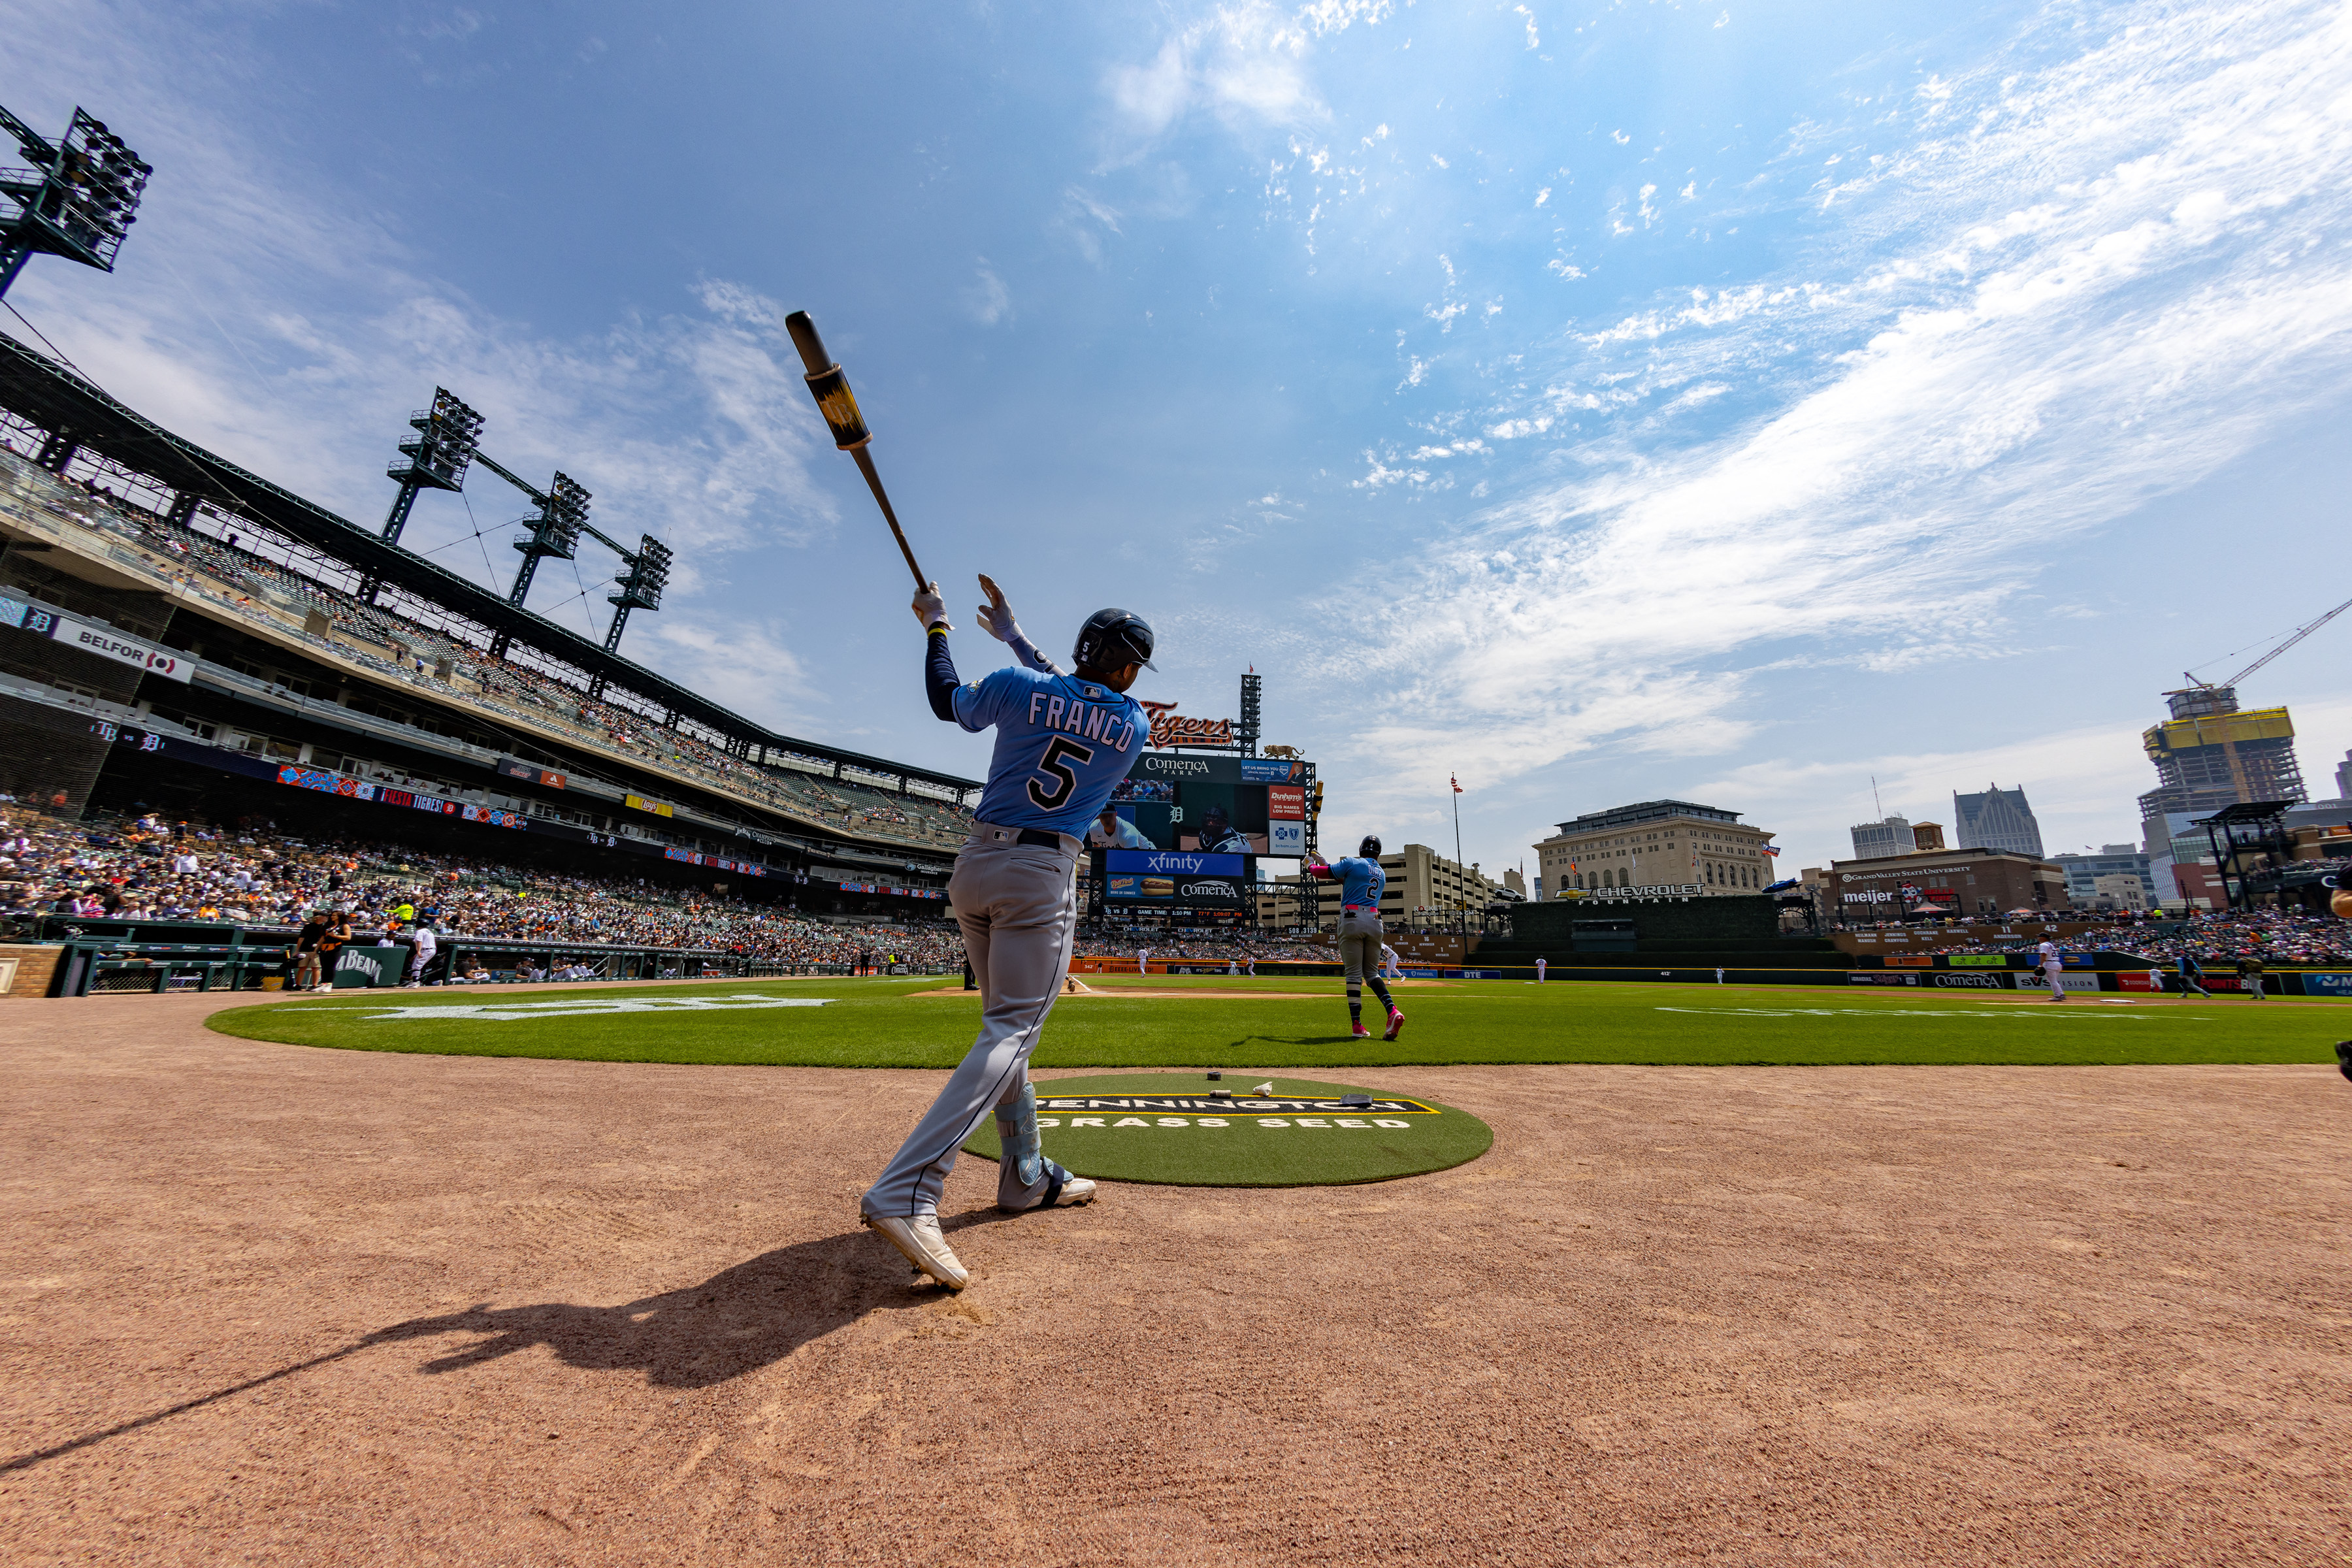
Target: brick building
(1958, 881)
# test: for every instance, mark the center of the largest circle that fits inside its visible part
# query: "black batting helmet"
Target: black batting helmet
(1370, 847)
(1113, 639)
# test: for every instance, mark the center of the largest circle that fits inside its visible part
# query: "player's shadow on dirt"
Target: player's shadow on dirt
(734, 1322)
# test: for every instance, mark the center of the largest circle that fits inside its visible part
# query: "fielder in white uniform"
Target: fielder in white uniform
(1389, 968)
(1063, 743)
(2053, 964)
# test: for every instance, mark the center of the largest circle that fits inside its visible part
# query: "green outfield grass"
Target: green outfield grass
(881, 1023)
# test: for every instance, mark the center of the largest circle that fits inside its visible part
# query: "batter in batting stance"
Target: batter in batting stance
(1362, 882)
(1063, 743)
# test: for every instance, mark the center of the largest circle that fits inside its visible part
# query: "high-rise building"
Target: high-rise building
(2211, 753)
(1996, 818)
(2344, 778)
(1890, 836)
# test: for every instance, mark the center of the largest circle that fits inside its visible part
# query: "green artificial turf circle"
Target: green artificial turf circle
(1166, 1128)
(1297, 1025)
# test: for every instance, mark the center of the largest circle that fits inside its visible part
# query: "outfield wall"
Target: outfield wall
(1958, 974)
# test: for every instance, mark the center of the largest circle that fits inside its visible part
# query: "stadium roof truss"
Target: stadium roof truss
(80, 419)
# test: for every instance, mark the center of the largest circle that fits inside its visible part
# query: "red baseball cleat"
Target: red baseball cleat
(1396, 1025)
(1362, 1033)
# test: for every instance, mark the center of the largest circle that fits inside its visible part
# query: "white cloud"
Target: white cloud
(985, 298)
(2119, 276)
(1244, 61)
(1087, 221)
(747, 666)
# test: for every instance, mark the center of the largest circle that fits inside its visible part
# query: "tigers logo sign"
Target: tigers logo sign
(1169, 728)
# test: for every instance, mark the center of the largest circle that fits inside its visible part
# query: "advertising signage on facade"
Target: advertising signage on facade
(1128, 887)
(326, 781)
(98, 639)
(1177, 768)
(530, 773)
(1171, 863)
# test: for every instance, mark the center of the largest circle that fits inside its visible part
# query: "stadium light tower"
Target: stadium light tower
(1247, 732)
(563, 513)
(77, 202)
(641, 589)
(436, 458)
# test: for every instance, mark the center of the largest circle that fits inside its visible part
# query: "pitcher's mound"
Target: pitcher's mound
(1074, 986)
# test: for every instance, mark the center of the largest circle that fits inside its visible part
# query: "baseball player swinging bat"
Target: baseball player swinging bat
(829, 385)
(1063, 743)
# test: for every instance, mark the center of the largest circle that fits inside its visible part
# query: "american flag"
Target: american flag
(1454, 781)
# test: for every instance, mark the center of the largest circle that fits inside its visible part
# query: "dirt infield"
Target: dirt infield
(271, 1304)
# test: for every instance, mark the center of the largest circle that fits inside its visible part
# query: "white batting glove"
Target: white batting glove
(930, 609)
(997, 617)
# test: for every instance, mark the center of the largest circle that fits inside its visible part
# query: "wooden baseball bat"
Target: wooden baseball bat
(830, 386)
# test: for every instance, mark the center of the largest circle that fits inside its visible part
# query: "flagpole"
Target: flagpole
(1461, 872)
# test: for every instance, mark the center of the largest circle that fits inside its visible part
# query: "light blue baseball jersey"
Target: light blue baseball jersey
(1061, 745)
(1361, 881)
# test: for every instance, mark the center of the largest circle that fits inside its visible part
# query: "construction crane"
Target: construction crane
(2301, 634)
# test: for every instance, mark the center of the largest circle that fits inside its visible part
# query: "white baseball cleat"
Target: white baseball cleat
(925, 1248)
(1076, 1190)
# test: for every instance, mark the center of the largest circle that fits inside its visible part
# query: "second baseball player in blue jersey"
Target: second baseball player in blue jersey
(1362, 882)
(1063, 745)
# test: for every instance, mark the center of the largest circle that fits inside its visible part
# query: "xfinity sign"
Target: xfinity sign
(1174, 863)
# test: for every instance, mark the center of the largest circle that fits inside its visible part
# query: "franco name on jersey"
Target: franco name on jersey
(1083, 717)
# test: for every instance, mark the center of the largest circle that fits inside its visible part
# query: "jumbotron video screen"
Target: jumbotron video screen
(1187, 829)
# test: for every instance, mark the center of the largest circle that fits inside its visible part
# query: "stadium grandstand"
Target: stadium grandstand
(180, 636)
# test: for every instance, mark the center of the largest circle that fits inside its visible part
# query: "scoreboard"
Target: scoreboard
(1187, 830)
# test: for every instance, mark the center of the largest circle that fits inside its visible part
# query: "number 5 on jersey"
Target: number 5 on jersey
(1056, 763)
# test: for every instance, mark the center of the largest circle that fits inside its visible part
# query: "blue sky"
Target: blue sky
(1603, 402)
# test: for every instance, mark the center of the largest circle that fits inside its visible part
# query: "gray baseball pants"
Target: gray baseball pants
(1018, 906)
(1360, 949)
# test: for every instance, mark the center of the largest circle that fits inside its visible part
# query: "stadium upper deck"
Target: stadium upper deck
(289, 671)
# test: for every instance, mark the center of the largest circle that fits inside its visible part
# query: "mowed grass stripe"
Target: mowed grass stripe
(880, 1023)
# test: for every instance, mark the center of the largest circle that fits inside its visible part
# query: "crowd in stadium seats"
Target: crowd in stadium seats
(458, 672)
(149, 870)
(2274, 936)
(1238, 945)
(252, 875)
